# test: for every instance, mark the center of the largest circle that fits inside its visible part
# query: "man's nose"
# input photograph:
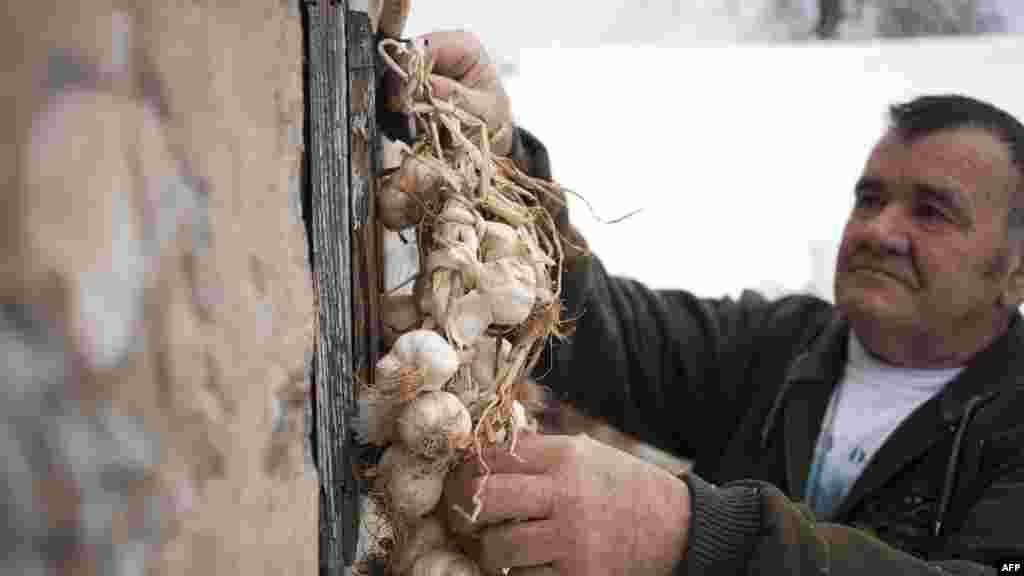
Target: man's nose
(887, 230)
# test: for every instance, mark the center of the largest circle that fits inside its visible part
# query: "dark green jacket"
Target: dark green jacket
(741, 386)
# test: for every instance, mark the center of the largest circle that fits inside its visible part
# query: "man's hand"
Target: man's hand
(464, 74)
(572, 506)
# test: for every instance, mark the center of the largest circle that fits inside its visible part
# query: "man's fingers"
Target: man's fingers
(447, 89)
(545, 570)
(535, 454)
(500, 461)
(504, 497)
(480, 103)
(518, 544)
(456, 55)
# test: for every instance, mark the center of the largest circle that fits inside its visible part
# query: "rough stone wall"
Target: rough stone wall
(158, 319)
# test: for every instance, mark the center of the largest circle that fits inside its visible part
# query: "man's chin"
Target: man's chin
(871, 308)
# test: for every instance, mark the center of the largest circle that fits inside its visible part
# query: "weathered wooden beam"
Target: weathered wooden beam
(366, 284)
(362, 133)
(330, 226)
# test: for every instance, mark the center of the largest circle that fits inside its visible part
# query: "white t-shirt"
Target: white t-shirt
(868, 404)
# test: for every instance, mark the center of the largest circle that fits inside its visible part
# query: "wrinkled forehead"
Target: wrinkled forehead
(970, 160)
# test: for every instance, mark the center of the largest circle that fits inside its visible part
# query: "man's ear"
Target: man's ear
(1013, 290)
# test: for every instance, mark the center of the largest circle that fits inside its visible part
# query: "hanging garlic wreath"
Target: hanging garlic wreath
(484, 302)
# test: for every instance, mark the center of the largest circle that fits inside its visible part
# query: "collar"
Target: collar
(997, 367)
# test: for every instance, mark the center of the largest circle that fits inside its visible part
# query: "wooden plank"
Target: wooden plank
(362, 134)
(362, 168)
(330, 221)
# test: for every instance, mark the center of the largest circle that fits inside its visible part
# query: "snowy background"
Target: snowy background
(736, 129)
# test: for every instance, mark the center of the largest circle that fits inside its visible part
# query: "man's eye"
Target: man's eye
(868, 200)
(930, 212)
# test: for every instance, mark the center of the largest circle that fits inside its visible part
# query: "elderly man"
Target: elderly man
(882, 435)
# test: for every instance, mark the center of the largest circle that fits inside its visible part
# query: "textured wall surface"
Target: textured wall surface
(152, 224)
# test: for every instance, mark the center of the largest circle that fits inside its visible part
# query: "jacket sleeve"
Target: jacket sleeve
(751, 527)
(635, 352)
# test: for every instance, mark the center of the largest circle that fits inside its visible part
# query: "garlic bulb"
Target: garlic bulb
(449, 272)
(435, 425)
(403, 193)
(456, 257)
(422, 536)
(511, 286)
(489, 357)
(399, 314)
(468, 319)
(542, 265)
(458, 226)
(445, 286)
(414, 485)
(396, 209)
(422, 296)
(444, 563)
(420, 360)
(501, 241)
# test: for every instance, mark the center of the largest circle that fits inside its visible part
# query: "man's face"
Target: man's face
(924, 252)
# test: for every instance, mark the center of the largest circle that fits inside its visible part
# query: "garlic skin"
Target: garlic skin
(468, 319)
(414, 485)
(456, 257)
(458, 226)
(435, 425)
(489, 356)
(396, 210)
(444, 563)
(422, 537)
(442, 289)
(511, 286)
(501, 241)
(463, 386)
(402, 193)
(449, 272)
(423, 297)
(399, 314)
(420, 360)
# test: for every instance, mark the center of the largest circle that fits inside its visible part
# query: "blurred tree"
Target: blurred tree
(676, 22)
(859, 19)
(830, 12)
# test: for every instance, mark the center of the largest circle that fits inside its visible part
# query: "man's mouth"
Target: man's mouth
(880, 272)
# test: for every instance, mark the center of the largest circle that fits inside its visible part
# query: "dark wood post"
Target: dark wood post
(339, 165)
